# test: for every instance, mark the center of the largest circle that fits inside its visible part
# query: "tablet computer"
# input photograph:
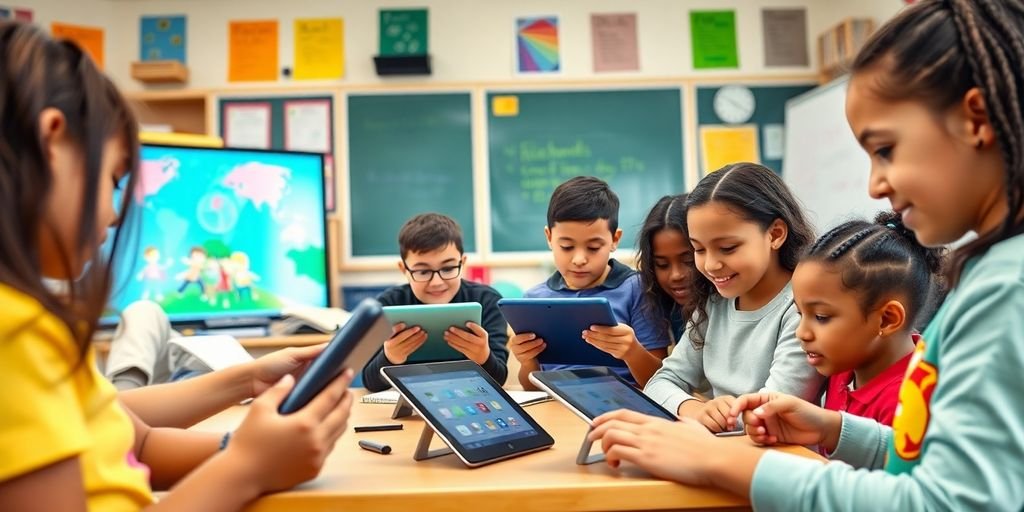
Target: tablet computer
(435, 319)
(561, 322)
(591, 392)
(352, 346)
(468, 410)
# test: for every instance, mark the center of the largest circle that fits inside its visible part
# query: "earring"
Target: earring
(879, 333)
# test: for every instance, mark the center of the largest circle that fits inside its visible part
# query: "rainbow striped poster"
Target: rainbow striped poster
(537, 45)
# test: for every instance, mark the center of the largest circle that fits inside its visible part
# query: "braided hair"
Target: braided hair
(938, 50)
(878, 259)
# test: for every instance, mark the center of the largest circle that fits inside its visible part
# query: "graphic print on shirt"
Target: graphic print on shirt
(914, 410)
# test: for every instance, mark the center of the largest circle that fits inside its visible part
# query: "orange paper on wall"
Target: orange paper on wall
(89, 39)
(252, 51)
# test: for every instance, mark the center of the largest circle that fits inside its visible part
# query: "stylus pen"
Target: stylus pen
(378, 428)
(380, 448)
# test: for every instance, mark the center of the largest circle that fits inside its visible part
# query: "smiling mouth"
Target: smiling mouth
(722, 281)
(814, 358)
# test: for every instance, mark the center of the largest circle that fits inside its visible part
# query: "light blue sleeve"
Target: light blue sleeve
(644, 327)
(973, 456)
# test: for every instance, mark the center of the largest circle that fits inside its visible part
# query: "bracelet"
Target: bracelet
(224, 441)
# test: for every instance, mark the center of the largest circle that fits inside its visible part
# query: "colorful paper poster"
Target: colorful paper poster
(89, 39)
(537, 49)
(16, 14)
(724, 145)
(162, 38)
(307, 125)
(403, 32)
(252, 51)
(319, 48)
(247, 125)
(785, 37)
(713, 38)
(614, 42)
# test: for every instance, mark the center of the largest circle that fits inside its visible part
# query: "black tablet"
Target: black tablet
(352, 346)
(591, 392)
(468, 410)
(561, 322)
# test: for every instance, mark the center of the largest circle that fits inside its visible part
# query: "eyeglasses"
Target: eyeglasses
(425, 275)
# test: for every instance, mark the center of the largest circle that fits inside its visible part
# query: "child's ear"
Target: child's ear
(893, 318)
(777, 233)
(464, 258)
(616, 236)
(547, 235)
(980, 132)
(401, 266)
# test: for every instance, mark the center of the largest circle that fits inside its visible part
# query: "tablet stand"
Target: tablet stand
(584, 457)
(423, 451)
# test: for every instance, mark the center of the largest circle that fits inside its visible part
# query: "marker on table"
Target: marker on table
(378, 428)
(380, 448)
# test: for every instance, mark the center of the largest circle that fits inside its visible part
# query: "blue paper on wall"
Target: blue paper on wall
(162, 38)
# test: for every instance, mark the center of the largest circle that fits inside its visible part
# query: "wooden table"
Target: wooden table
(354, 479)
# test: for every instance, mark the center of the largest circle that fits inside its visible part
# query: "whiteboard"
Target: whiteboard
(824, 166)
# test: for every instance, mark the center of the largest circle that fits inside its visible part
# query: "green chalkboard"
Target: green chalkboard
(408, 154)
(769, 115)
(536, 140)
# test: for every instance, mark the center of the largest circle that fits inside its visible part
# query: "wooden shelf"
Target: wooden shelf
(160, 72)
(839, 44)
(183, 111)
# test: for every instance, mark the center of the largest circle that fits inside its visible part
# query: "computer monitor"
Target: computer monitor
(224, 233)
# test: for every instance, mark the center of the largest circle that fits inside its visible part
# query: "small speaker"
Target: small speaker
(402, 65)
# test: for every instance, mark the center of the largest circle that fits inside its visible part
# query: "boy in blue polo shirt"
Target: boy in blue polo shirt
(582, 231)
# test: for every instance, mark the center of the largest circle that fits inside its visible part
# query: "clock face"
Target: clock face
(734, 104)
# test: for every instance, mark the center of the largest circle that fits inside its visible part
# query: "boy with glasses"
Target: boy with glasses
(432, 261)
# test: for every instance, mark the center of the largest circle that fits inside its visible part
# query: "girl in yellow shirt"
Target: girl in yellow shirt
(67, 442)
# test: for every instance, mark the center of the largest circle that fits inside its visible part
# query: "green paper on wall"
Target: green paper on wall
(403, 32)
(713, 37)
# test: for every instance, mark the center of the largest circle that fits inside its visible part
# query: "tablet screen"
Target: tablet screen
(594, 392)
(464, 405)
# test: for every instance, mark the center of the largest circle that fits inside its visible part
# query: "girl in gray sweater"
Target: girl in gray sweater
(747, 232)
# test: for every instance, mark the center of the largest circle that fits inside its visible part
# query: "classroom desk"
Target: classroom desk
(354, 479)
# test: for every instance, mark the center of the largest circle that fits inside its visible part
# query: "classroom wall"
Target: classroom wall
(470, 41)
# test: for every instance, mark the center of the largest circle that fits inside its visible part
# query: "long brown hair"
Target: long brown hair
(936, 51)
(37, 73)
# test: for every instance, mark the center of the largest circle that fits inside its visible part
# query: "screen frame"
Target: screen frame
(551, 381)
(471, 457)
(242, 317)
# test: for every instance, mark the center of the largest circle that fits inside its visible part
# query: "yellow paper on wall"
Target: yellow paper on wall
(89, 39)
(252, 51)
(724, 145)
(505, 106)
(319, 48)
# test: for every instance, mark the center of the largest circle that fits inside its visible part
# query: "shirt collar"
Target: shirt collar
(616, 276)
(870, 390)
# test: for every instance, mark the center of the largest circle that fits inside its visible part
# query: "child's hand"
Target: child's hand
(279, 451)
(269, 369)
(714, 414)
(771, 418)
(678, 451)
(403, 343)
(471, 343)
(619, 340)
(526, 347)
